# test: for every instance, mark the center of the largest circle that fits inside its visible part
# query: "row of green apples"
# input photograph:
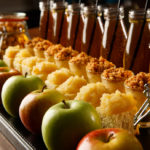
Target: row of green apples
(64, 125)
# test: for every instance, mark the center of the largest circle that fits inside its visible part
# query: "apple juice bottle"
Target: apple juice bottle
(137, 54)
(56, 15)
(70, 24)
(114, 36)
(98, 34)
(86, 28)
(44, 9)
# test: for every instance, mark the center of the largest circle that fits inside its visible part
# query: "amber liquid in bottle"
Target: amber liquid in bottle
(133, 36)
(85, 30)
(114, 53)
(114, 39)
(97, 39)
(55, 23)
(43, 19)
(142, 59)
(137, 52)
(69, 28)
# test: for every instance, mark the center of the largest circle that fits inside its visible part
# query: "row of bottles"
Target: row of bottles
(82, 27)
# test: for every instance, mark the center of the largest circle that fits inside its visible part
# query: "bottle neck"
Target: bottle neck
(58, 5)
(137, 15)
(148, 15)
(113, 13)
(44, 6)
(74, 8)
(89, 10)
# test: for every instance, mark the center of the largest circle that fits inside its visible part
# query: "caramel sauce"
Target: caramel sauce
(69, 28)
(86, 27)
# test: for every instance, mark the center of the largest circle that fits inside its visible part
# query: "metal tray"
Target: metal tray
(21, 139)
(17, 135)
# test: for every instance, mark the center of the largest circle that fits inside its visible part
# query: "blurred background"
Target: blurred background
(31, 7)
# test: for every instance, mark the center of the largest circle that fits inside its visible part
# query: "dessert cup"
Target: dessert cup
(113, 79)
(31, 44)
(51, 51)
(135, 86)
(41, 47)
(77, 65)
(95, 68)
(62, 57)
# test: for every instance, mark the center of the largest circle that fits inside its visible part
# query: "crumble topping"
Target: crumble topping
(138, 81)
(117, 74)
(33, 42)
(81, 58)
(98, 66)
(54, 49)
(42, 46)
(66, 54)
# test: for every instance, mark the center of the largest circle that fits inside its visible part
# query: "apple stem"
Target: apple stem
(26, 74)
(66, 106)
(44, 87)
(109, 137)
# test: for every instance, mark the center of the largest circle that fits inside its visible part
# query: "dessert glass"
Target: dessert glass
(114, 78)
(95, 68)
(51, 51)
(77, 65)
(62, 58)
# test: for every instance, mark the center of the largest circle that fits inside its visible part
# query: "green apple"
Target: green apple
(109, 139)
(5, 75)
(2, 63)
(15, 89)
(36, 104)
(65, 123)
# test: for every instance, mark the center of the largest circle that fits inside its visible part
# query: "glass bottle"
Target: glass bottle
(98, 34)
(13, 30)
(86, 28)
(44, 13)
(70, 24)
(137, 54)
(114, 36)
(56, 15)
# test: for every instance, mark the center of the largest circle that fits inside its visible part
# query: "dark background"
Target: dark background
(31, 7)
